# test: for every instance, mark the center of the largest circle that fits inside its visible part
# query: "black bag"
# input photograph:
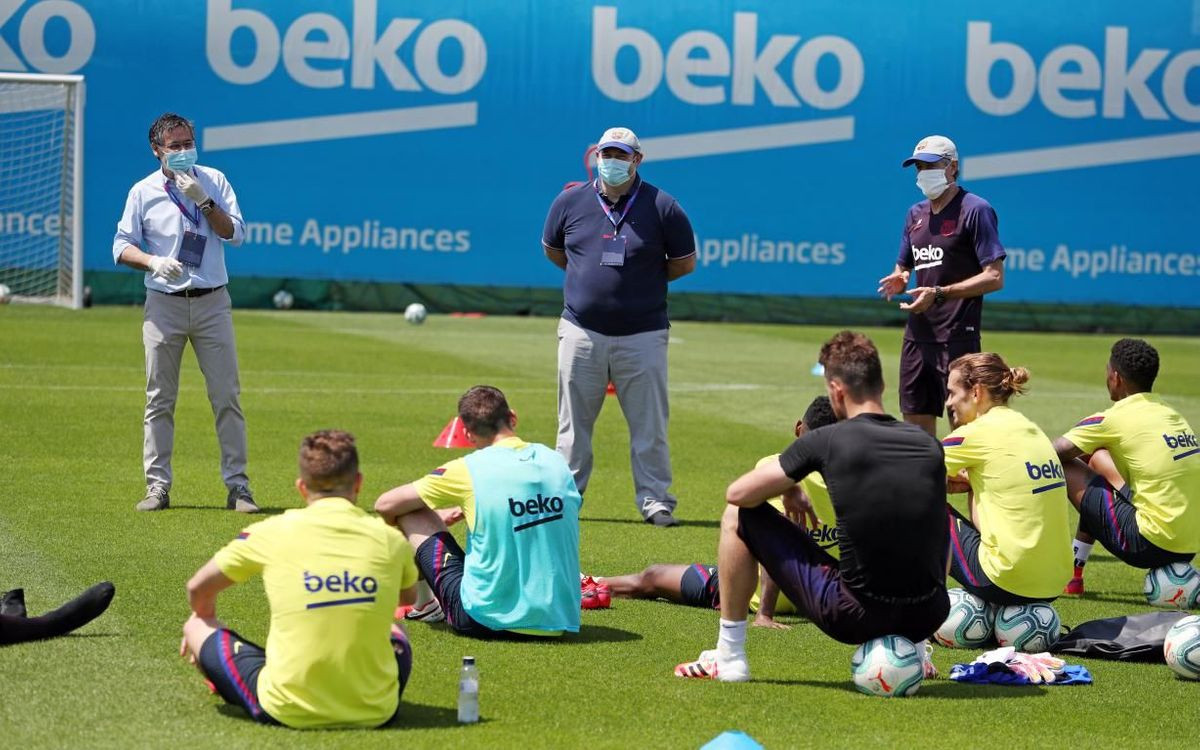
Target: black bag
(1129, 638)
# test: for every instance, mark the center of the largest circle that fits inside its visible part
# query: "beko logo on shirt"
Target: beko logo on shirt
(825, 536)
(1051, 471)
(338, 583)
(62, 55)
(1182, 440)
(927, 257)
(537, 506)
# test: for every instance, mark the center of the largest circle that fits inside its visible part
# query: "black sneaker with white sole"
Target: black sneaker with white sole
(241, 500)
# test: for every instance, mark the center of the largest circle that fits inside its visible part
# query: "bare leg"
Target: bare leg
(420, 525)
(738, 568)
(660, 581)
(926, 422)
(196, 631)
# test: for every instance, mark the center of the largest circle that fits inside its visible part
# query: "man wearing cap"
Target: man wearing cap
(620, 240)
(952, 242)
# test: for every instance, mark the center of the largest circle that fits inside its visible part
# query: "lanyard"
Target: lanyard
(613, 217)
(194, 216)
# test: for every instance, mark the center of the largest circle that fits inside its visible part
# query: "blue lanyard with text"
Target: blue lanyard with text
(194, 217)
(613, 217)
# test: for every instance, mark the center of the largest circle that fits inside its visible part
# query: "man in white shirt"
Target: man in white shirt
(175, 225)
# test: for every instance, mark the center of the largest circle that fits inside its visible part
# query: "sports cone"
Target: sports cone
(611, 390)
(453, 436)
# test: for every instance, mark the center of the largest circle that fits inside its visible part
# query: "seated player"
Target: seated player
(17, 627)
(1144, 502)
(697, 585)
(333, 575)
(887, 487)
(1013, 550)
(519, 575)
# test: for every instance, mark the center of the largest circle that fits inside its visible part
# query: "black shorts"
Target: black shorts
(924, 368)
(232, 664)
(1110, 517)
(441, 561)
(699, 586)
(809, 577)
(965, 567)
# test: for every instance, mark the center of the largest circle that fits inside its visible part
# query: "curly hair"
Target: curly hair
(852, 358)
(167, 122)
(989, 370)
(819, 413)
(1136, 361)
(329, 461)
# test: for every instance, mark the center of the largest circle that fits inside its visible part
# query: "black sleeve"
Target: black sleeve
(805, 455)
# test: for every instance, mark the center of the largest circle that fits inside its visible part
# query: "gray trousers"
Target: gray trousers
(637, 367)
(169, 323)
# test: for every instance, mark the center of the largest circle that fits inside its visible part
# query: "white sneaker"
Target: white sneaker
(431, 611)
(926, 649)
(711, 667)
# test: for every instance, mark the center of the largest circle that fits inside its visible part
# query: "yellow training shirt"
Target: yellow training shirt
(1155, 450)
(333, 575)
(1020, 500)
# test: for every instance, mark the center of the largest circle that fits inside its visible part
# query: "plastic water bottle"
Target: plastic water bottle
(468, 692)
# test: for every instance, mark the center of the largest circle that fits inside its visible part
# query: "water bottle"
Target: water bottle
(468, 692)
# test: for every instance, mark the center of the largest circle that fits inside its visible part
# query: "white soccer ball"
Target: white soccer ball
(1182, 647)
(1176, 586)
(970, 622)
(415, 313)
(5, 294)
(283, 300)
(1032, 628)
(890, 666)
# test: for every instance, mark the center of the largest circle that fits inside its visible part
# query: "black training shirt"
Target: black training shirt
(887, 481)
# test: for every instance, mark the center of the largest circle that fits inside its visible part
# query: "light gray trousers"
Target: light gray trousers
(637, 367)
(168, 324)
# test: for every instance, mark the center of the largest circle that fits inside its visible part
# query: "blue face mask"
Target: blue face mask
(180, 161)
(613, 171)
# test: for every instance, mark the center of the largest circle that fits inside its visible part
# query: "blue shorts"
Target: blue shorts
(965, 567)
(1110, 517)
(810, 578)
(232, 664)
(699, 586)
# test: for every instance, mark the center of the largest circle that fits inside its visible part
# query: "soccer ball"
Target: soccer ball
(283, 300)
(890, 666)
(5, 294)
(1182, 647)
(1176, 586)
(969, 624)
(1032, 628)
(415, 313)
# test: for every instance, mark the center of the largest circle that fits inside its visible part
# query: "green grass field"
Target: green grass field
(71, 399)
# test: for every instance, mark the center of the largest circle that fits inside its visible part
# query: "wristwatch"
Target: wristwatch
(939, 296)
(207, 206)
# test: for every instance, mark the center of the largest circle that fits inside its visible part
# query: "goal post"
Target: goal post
(41, 187)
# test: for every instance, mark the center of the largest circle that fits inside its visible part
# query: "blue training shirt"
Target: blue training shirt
(522, 566)
(618, 300)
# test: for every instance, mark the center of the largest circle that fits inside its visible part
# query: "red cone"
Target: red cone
(453, 436)
(611, 390)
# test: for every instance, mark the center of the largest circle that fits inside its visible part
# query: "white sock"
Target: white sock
(731, 638)
(424, 593)
(1081, 551)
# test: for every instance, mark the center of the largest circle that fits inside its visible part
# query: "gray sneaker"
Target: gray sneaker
(241, 500)
(662, 518)
(156, 499)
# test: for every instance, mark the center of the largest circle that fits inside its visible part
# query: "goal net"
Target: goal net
(41, 196)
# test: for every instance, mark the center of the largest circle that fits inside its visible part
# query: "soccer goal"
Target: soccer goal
(41, 188)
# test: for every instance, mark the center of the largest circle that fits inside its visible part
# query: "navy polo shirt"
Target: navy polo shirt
(618, 300)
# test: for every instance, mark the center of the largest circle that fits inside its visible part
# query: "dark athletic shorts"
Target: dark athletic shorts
(232, 664)
(965, 567)
(699, 586)
(809, 576)
(441, 561)
(1109, 516)
(924, 368)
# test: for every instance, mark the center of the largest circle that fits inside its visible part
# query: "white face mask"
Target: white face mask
(932, 182)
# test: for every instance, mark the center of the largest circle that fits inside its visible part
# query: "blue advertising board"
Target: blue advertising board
(395, 141)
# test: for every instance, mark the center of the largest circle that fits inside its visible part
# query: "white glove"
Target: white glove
(189, 187)
(165, 268)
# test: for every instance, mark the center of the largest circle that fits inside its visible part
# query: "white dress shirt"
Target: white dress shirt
(154, 224)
